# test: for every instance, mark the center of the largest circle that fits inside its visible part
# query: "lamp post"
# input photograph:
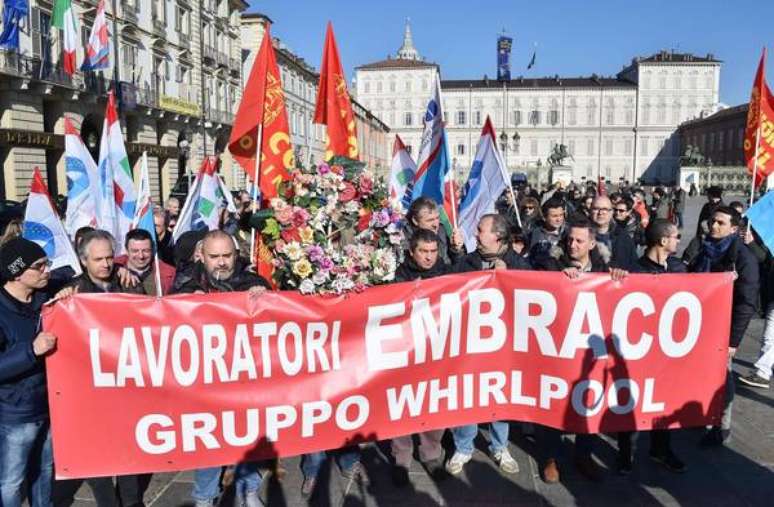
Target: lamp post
(709, 172)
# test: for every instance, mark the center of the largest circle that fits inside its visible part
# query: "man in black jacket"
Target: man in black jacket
(662, 238)
(611, 237)
(100, 275)
(493, 252)
(424, 214)
(724, 250)
(25, 437)
(576, 255)
(422, 262)
(218, 271)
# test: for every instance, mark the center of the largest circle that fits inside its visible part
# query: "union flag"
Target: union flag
(333, 108)
(759, 133)
(263, 102)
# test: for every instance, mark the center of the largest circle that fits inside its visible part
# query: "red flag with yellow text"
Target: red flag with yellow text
(760, 127)
(334, 108)
(263, 100)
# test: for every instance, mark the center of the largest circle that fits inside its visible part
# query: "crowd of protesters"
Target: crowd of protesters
(575, 230)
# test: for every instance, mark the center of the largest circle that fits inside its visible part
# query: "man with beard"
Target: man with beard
(220, 271)
(422, 262)
(494, 251)
(723, 250)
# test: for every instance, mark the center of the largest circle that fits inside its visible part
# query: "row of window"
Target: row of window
(393, 86)
(587, 147)
(661, 82)
(728, 139)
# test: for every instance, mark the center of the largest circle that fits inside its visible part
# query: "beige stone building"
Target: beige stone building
(179, 73)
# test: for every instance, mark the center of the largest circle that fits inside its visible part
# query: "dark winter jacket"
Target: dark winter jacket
(673, 265)
(198, 280)
(541, 242)
(739, 259)
(633, 227)
(445, 251)
(409, 271)
(557, 260)
(23, 396)
(85, 285)
(474, 262)
(624, 252)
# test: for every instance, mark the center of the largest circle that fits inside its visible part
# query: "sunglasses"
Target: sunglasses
(41, 265)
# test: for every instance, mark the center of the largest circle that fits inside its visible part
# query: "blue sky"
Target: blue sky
(574, 37)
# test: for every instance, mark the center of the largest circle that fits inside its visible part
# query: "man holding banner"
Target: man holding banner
(493, 252)
(218, 273)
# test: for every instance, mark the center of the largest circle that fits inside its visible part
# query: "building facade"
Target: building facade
(179, 83)
(616, 127)
(299, 82)
(719, 139)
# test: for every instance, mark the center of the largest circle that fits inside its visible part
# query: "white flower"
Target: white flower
(320, 278)
(293, 250)
(307, 286)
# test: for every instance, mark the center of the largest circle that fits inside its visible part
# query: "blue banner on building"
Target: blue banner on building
(504, 58)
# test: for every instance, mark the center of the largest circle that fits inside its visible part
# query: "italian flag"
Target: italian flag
(64, 19)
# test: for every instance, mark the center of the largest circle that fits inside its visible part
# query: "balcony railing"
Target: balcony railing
(24, 66)
(96, 83)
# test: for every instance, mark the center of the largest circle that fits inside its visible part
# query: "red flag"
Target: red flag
(601, 187)
(760, 127)
(334, 108)
(263, 99)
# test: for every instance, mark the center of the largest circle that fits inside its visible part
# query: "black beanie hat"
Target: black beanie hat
(17, 255)
(185, 246)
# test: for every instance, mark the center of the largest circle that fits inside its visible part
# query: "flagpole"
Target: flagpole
(755, 162)
(256, 175)
(146, 176)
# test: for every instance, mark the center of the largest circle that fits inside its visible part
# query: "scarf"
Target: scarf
(488, 259)
(712, 251)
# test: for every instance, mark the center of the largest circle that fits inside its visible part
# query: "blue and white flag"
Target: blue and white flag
(98, 49)
(433, 158)
(761, 217)
(13, 14)
(143, 212)
(402, 170)
(487, 180)
(42, 225)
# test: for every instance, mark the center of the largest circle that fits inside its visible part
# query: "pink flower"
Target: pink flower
(323, 168)
(366, 185)
(300, 216)
(284, 215)
(348, 193)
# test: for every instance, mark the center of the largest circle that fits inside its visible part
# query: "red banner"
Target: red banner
(140, 384)
(759, 132)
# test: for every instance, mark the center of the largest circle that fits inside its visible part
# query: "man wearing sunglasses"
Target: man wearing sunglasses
(615, 246)
(25, 437)
(628, 220)
(662, 239)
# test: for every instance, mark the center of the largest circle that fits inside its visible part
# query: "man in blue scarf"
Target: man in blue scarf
(724, 250)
